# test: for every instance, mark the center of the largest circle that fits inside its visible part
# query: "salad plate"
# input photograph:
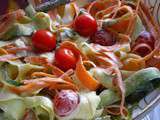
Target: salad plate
(79, 60)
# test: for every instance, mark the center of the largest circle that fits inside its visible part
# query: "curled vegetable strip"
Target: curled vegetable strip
(132, 22)
(67, 73)
(104, 76)
(59, 73)
(36, 60)
(117, 81)
(3, 51)
(8, 57)
(14, 107)
(132, 63)
(72, 46)
(48, 67)
(14, 50)
(114, 110)
(69, 12)
(42, 74)
(122, 44)
(154, 61)
(101, 14)
(86, 79)
(7, 19)
(154, 29)
(121, 20)
(114, 16)
(39, 83)
(102, 7)
(64, 15)
(134, 82)
(102, 60)
(7, 22)
(43, 21)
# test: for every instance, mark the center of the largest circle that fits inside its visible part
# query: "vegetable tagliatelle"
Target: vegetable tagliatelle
(85, 60)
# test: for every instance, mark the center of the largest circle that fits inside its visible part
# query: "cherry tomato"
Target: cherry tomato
(44, 40)
(145, 37)
(103, 38)
(65, 59)
(65, 102)
(85, 25)
(142, 49)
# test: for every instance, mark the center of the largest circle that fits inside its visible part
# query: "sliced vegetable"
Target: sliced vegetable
(138, 28)
(117, 80)
(104, 46)
(102, 6)
(133, 62)
(141, 78)
(24, 20)
(36, 60)
(14, 106)
(42, 107)
(9, 19)
(108, 97)
(33, 85)
(121, 19)
(59, 73)
(16, 70)
(115, 110)
(105, 77)
(134, 82)
(5, 58)
(30, 11)
(86, 79)
(43, 21)
(43, 61)
(68, 12)
(17, 30)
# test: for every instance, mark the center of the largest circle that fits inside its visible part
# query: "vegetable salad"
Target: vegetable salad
(81, 60)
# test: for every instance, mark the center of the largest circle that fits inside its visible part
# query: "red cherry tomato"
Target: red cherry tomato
(145, 37)
(44, 40)
(85, 25)
(103, 38)
(65, 59)
(65, 102)
(142, 49)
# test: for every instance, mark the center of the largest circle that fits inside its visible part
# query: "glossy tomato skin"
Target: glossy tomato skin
(85, 25)
(65, 102)
(103, 38)
(44, 40)
(65, 59)
(146, 37)
(144, 44)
